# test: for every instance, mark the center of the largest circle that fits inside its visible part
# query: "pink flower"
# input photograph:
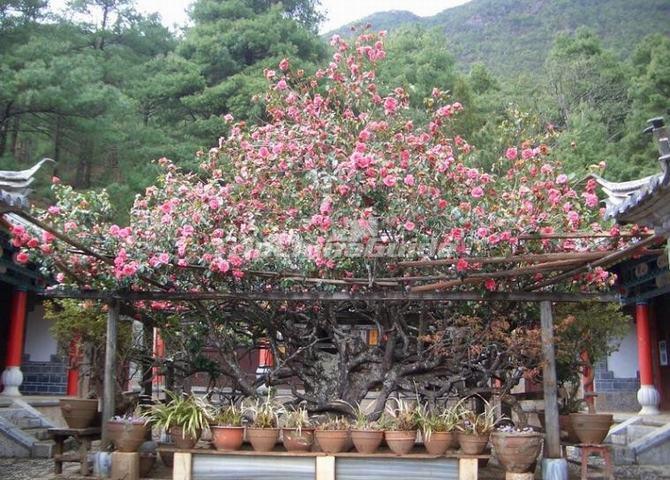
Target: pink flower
(228, 118)
(527, 153)
(55, 180)
(561, 179)
(409, 180)
(60, 277)
(389, 180)
(390, 105)
(22, 257)
(490, 284)
(511, 153)
(283, 65)
(461, 265)
(409, 226)
(114, 230)
(282, 85)
(53, 210)
(477, 192)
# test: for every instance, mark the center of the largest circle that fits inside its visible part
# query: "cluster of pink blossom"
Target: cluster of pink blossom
(340, 157)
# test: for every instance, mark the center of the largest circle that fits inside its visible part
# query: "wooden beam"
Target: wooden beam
(617, 256)
(524, 258)
(320, 296)
(552, 442)
(109, 382)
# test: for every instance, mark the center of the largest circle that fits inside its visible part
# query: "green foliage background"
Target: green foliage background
(105, 90)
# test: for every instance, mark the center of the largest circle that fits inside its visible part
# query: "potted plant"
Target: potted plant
(333, 434)
(474, 428)
(226, 427)
(366, 434)
(184, 417)
(127, 432)
(297, 431)
(517, 449)
(263, 431)
(438, 429)
(403, 425)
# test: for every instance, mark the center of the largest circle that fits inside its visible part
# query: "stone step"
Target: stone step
(637, 431)
(42, 449)
(622, 455)
(40, 433)
(21, 417)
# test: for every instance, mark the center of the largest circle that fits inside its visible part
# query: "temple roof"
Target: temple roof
(645, 201)
(14, 185)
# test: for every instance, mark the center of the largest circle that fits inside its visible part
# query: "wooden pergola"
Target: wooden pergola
(556, 267)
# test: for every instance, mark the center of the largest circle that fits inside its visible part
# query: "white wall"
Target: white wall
(39, 343)
(623, 363)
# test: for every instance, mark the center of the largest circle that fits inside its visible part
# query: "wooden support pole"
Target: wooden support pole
(109, 383)
(325, 468)
(552, 442)
(468, 469)
(182, 466)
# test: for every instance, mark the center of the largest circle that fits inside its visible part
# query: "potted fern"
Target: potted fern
(366, 434)
(438, 429)
(127, 432)
(297, 431)
(263, 431)
(333, 434)
(475, 428)
(403, 425)
(184, 417)
(226, 427)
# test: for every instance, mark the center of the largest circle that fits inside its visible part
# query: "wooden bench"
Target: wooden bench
(84, 436)
(201, 464)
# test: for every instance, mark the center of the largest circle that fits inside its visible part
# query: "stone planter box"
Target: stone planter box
(209, 464)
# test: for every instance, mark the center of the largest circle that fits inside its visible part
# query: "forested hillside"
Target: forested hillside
(509, 36)
(106, 91)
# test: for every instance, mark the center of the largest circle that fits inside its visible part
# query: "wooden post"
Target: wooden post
(552, 443)
(182, 466)
(109, 384)
(325, 468)
(468, 469)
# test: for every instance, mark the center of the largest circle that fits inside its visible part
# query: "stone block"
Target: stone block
(125, 466)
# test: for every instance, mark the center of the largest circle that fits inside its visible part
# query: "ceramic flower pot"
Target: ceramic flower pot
(127, 436)
(147, 461)
(79, 412)
(473, 444)
(517, 452)
(167, 457)
(227, 438)
(367, 441)
(182, 441)
(565, 425)
(591, 427)
(400, 442)
(298, 441)
(332, 441)
(263, 439)
(437, 443)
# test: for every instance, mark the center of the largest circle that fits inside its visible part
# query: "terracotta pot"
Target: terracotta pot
(517, 452)
(147, 461)
(400, 442)
(263, 439)
(439, 442)
(127, 437)
(181, 441)
(591, 427)
(472, 444)
(295, 441)
(565, 425)
(167, 457)
(227, 438)
(367, 441)
(79, 412)
(332, 441)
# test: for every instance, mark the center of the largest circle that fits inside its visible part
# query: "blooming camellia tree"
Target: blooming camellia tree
(330, 193)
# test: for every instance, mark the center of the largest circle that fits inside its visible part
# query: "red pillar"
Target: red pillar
(12, 378)
(158, 352)
(647, 396)
(73, 368)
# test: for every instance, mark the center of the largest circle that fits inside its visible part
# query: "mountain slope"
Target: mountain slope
(512, 36)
